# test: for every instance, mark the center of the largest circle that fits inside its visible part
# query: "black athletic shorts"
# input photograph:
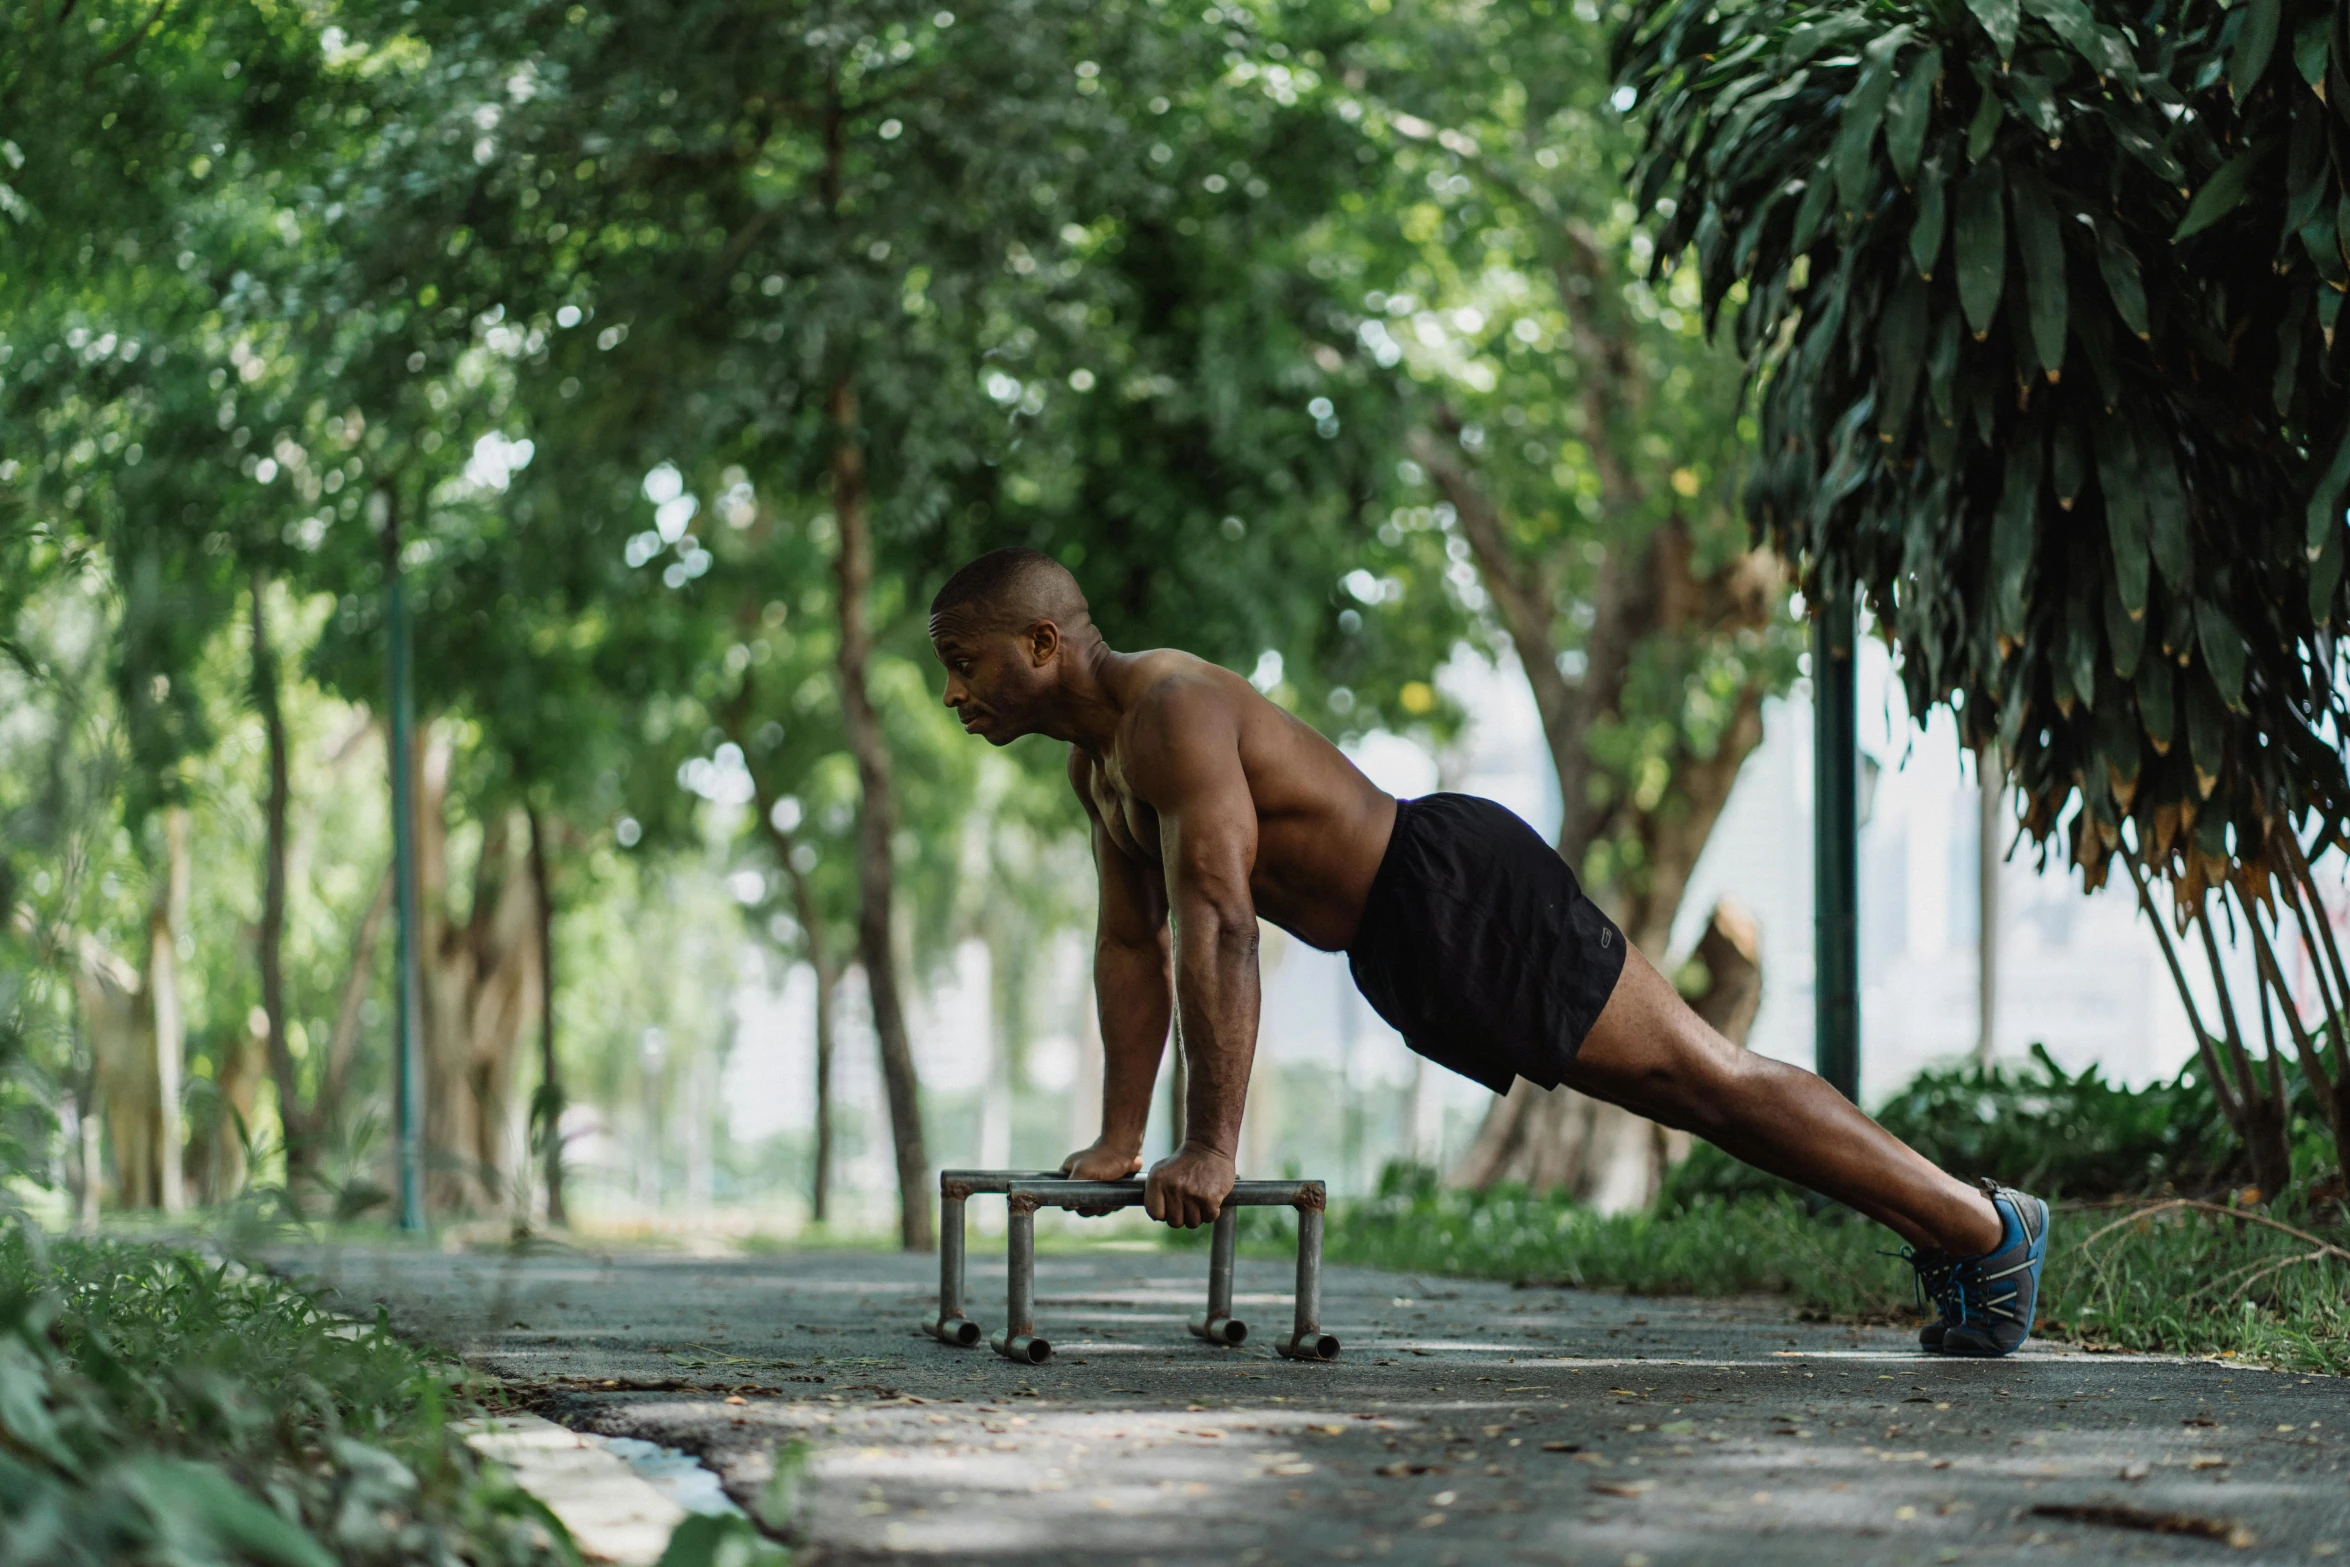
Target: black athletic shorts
(1478, 945)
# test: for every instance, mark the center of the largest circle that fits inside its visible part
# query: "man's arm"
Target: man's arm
(1185, 760)
(1133, 996)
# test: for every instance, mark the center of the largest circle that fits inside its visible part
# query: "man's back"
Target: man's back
(1191, 727)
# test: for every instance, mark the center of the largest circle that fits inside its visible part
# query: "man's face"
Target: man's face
(996, 680)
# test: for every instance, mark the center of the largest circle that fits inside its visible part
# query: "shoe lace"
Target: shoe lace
(1935, 1276)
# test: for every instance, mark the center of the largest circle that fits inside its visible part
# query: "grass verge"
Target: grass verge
(2174, 1278)
(159, 1406)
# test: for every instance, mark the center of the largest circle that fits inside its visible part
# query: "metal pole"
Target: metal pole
(1217, 1327)
(1306, 1340)
(1019, 1340)
(950, 1326)
(409, 1058)
(1836, 844)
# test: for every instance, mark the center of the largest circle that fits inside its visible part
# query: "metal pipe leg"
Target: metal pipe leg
(1307, 1341)
(950, 1326)
(1218, 1326)
(1018, 1340)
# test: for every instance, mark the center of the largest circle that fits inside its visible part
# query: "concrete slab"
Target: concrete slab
(1466, 1423)
(613, 1515)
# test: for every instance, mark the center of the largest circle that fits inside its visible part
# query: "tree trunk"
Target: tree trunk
(820, 1182)
(1990, 781)
(293, 1118)
(220, 1142)
(167, 918)
(817, 948)
(547, 1108)
(343, 1046)
(877, 821)
(1559, 1140)
(1599, 1151)
(121, 1034)
(477, 998)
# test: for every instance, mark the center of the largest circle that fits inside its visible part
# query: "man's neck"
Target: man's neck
(1088, 711)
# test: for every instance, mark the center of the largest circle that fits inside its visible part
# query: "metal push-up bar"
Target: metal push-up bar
(1025, 1192)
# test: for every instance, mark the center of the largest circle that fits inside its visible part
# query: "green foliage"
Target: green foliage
(721, 1540)
(155, 1405)
(1572, 417)
(2163, 1280)
(1712, 1247)
(2040, 309)
(570, 315)
(2063, 1135)
(2066, 1135)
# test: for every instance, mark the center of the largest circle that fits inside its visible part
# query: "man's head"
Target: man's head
(1004, 627)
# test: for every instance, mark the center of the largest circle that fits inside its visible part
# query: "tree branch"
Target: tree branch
(2205, 1046)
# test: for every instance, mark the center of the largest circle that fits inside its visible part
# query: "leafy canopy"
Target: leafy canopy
(2039, 302)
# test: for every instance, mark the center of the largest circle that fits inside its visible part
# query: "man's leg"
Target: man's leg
(1650, 1053)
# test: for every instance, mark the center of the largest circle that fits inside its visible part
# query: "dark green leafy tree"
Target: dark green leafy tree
(2039, 308)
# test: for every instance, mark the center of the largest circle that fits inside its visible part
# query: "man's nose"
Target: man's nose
(956, 695)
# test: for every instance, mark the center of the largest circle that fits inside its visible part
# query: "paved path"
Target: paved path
(1466, 1422)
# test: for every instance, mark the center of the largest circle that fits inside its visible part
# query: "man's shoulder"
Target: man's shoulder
(1177, 692)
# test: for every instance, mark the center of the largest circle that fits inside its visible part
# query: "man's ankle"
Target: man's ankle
(1982, 1230)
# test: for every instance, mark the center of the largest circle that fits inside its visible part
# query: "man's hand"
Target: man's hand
(1189, 1189)
(1104, 1161)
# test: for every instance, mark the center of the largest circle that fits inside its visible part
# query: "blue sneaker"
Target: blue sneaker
(1988, 1302)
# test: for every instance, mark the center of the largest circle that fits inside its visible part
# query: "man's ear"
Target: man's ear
(1044, 640)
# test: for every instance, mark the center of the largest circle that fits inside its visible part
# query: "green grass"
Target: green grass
(156, 1406)
(2174, 1279)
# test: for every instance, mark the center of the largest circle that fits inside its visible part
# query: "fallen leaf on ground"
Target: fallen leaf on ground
(2208, 1461)
(1624, 1487)
(2118, 1515)
(2136, 1469)
(1562, 1447)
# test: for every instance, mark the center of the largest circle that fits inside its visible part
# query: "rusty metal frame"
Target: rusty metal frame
(1025, 1192)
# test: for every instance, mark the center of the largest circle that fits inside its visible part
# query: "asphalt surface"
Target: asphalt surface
(1464, 1423)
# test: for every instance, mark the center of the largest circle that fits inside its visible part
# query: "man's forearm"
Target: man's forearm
(1216, 983)
(1135, 1005)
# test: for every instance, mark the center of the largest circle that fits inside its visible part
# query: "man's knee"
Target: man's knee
(1691, 1083)
(1702, 1087)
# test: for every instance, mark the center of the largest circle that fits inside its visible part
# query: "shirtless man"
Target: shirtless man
(1212, 808)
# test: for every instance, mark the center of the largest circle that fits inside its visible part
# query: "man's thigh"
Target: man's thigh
(1649, 1052)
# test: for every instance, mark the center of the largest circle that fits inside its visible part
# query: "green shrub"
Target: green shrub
(2065, 1135)
(2056, 1134)
(2173, 1277)
(156, 1406)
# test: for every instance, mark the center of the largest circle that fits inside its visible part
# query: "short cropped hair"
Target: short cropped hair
(1013, 589)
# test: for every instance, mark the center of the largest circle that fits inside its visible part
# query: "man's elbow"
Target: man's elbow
(1136, 947)
(1229, 924)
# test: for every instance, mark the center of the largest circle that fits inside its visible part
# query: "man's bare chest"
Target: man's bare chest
(1131, 822)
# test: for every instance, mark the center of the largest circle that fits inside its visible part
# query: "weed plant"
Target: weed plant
(159, 1407)
(2172, 1277)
